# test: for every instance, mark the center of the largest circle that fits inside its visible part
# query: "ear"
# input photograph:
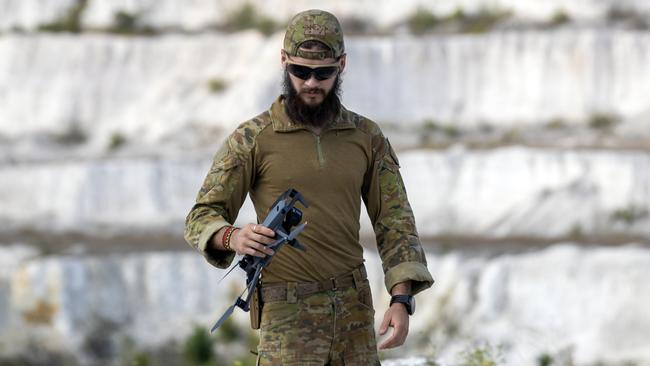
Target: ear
(343, 60)
(283, 58)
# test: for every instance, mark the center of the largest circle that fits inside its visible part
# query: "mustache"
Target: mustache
(312, 90)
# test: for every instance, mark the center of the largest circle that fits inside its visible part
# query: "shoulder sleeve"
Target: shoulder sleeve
(385, 197)
(223, 191)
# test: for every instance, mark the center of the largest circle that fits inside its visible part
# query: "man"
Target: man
(317, 306)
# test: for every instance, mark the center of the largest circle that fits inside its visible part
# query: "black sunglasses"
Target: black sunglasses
(304, 72)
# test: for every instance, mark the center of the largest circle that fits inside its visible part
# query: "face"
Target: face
(312, 91)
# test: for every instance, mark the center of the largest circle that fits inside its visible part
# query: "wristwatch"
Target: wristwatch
(407, 300)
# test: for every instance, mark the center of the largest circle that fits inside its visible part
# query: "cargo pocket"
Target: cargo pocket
(364, 295)
(278, 317)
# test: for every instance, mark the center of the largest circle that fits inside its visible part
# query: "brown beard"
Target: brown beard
(315, 116)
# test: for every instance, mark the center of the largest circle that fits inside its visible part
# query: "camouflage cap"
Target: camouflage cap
(314, 25)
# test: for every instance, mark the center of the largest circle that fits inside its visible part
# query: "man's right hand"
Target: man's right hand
(252, 239)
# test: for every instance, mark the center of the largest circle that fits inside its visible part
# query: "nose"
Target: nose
(312, 82)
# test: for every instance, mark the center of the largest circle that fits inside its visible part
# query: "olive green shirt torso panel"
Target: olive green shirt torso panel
(329, 172)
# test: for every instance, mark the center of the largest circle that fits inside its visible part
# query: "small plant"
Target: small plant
(229, 331)
(480, 356)
(129, 24)
(484, 21)
(74, 135)
(266, 26)
(629, 215)
(576, 233)
(458, 15)
(422, 21)
(603, 121)
(68, 22)
(559, 18)
(451, 131)
(198, 348)
(140, 359)
(556, 124)
(116, 141)
(544, 360)
(431, 125)
(217, 85)
(247, 17)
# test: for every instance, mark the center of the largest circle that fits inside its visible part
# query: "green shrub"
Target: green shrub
(603, 121)
(560, 18)
(140, 359)
(422, 21)
(480, 356)
(68, 22)
(458, 15)
(198, 348)
(544, 360)
(629, 215)
(116, 141)
(124, 22)
(129, 24)
(556, 124)
(431, 125)
(484, 21)
(217, 85)
(451, 131)
(74, 135)
(247, 17)
(229, 331)
(576, 233)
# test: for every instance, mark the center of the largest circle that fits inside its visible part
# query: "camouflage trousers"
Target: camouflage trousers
(326, 328)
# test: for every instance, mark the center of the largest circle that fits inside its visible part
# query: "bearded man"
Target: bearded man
(316, 305)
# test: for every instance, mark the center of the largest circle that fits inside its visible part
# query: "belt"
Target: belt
(292, 291)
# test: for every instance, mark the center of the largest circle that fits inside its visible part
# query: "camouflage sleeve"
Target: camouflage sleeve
(221, 196)
(398, 243)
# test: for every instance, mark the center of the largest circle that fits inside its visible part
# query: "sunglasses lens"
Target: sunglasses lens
(299, 71)
(304, 72)
(323, 73)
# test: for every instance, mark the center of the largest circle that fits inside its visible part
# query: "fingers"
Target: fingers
(252, 239)
(396, 339)
(398, 320)
(384, 324)
(262, 230)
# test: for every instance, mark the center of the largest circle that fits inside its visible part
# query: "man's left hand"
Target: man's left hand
(397, 318)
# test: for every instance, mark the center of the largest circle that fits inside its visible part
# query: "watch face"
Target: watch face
(407, 300)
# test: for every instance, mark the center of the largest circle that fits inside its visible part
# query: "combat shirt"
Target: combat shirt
(349, 161)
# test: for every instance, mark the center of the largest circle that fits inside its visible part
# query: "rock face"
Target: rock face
(500, 193)
(586, 304)
(158, 90)
(107, 133)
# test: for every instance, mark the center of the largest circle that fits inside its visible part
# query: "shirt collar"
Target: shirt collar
(282, 122)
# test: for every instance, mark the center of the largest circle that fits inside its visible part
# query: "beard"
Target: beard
(311, 115)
